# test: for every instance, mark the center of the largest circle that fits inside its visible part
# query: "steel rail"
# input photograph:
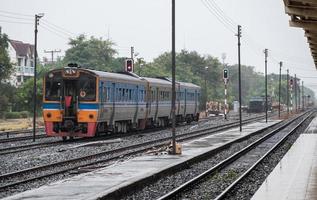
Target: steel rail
(143, 147)
(281, 141)
(189, 184)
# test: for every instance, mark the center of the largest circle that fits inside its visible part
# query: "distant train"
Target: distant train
(257, 104)
(81, 102)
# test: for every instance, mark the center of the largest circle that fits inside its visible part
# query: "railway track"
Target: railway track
(21, 148)
(14, 179)
(5, 136)
(251, 155)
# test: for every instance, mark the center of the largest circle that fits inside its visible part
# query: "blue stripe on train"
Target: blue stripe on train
(88, 106)
(51, 106)
(81, 106)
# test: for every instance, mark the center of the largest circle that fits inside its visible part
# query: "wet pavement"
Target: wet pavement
(96, 184)
(295, 177)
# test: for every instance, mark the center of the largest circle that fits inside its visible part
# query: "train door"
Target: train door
(156, 102)
(196, 99)
(70, 99)
(136, 99)
(185, 101)
(178, 97)
(113, 103)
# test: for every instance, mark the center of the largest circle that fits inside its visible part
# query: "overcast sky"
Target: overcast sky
(146, 25)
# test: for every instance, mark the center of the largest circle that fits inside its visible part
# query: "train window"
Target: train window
(53, 85)
(87, 84)
(130, 94)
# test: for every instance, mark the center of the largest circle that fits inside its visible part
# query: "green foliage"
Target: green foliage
(5, 65)
(16, 115)
(91, 53)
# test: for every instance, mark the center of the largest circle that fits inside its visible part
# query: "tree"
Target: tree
(5, 65)
(91, 53)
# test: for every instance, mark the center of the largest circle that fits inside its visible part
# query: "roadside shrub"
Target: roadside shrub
(12, 115)
(24, 114)
(16, 115)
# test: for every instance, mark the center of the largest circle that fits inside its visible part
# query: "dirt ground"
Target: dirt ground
(19, 124)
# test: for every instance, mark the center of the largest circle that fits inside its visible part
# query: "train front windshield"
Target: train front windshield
(56, 87)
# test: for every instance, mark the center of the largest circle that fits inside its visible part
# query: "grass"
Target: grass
(19, 124)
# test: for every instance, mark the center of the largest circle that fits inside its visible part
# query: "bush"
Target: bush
(16, 115)
(12, 115)
(24, 114)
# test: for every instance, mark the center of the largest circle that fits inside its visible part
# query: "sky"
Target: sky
(205, 26)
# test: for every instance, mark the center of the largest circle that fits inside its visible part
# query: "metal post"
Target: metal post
(303, 100)
(287, 92)
(37, 17)
(226, 96)
(206, 91)
(265, 53)
(279, 91)
(173, 77)
(298, 95)
(295, 90)
(291, 92)
(239, 63)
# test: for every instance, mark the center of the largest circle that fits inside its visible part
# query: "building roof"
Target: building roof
(303, 14)
(22, 49)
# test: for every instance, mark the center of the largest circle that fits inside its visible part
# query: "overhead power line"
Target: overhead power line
(15, 13)
(15, 22)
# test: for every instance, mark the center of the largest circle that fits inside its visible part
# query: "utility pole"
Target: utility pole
(206, 91)
(239, 64)
(291, 92)
(303, 100)
(52, 53)
(298, 95)
(132, 54)
(279, 91)
(173, 78)
(295, 88)
(37, 19)
(287, 92)
(265, 53)
(225, 79)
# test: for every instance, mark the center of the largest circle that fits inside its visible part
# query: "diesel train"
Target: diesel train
(80, 102)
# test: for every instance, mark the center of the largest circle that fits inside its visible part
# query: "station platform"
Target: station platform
(99, 183)
(295, 177)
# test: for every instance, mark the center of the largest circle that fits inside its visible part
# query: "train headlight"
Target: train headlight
(48, 115)
(91, 116)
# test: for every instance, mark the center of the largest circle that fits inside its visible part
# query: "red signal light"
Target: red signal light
(129, 65)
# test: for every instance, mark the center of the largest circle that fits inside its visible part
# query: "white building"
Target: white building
(22, 57)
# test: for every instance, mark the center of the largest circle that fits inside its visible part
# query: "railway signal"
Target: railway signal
(225, 78)
(225, 74)
(129, 65)
(291, 82)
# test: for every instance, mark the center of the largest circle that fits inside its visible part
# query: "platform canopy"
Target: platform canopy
(303, 14)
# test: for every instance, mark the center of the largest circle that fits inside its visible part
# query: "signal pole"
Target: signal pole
(303, 100)
(225, 79)
(37, 19)
(265, 53)
(173, 78)
(291, 83)
(295, 88)
(52, 53)
(239, 63)
(287, 92)
(279, 92)
(298, 95)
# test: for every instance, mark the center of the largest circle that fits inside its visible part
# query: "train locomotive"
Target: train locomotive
(80, 102)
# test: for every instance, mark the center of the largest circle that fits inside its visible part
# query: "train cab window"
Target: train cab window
(87, 87)
(53, 86)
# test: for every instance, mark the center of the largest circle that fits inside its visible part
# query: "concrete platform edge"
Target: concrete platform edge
(126, 188)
